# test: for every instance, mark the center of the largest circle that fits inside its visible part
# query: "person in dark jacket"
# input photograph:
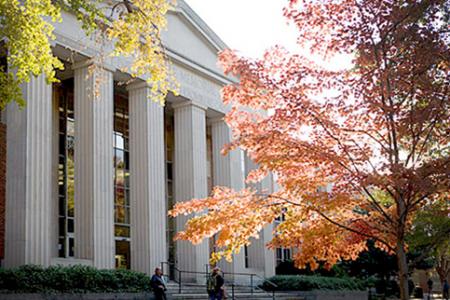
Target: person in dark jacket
(215, 285)
(158, 285)
(430, 288)
(445, 290)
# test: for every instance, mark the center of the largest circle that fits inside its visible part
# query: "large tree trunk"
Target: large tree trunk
(402, 270)
(443, 265)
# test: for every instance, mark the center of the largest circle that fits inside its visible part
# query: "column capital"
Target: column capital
(138, 84)
(216, 120)
(89, 62)
(188, 103)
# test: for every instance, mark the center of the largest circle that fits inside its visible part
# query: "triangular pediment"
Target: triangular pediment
(189, 37)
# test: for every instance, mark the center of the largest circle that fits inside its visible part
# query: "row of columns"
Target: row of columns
(31, 200)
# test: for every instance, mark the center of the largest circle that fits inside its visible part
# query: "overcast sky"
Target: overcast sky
(250, 26)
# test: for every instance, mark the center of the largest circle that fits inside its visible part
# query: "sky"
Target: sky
(250, 26)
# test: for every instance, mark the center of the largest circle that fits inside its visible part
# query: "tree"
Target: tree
(377, 134)
(430, 236)
(133, 26)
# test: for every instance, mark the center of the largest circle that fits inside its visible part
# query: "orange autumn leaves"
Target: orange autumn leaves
(376, 135)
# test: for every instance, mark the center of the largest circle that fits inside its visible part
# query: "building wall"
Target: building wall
(193, 55)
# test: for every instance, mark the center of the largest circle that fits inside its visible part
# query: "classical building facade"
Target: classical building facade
(90, 181)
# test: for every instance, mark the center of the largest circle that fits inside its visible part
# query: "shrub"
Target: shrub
(391, 287)
(288, 267)
(73, 279)
(309, 283)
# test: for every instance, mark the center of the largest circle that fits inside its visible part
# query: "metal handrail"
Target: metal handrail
(180, 272)
(273, 284)
(264, 279)
(252, 275)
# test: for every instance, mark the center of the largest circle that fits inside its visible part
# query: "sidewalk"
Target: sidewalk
(434, 296)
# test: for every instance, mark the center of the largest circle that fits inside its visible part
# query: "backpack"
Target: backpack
(211, 283)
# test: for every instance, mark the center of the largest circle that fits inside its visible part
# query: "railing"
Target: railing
(177, 275)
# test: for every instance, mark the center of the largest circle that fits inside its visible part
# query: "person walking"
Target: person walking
(430, 288)
(445, 290)
(214, 285)
(158, 285)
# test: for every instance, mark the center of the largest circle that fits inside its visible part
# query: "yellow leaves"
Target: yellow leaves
(137, 35)
(27, 36)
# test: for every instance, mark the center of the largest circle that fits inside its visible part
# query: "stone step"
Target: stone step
(190, 291)
(236, 297)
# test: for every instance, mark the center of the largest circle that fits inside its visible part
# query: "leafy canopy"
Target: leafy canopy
(430, 237)
(377, 134)
(133, 26)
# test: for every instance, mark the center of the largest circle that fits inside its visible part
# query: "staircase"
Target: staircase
(183, 289)
(191, 291)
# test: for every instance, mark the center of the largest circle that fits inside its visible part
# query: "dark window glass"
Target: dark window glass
(66, 168)
(70, 225)
(71, 247)
(61, 247)
(169, 171)
(121, 178)
(61, 207)
(62, 226)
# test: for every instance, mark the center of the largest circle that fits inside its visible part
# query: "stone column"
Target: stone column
(190, 176)
(94, 191)
(268, 184)
(269, 254)
(29, 177)
(147, 180)
(227, 171)
(255, 249)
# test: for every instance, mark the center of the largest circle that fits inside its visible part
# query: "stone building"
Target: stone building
(90, 182)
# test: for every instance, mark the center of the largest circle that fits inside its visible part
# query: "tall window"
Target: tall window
(209, 160)
(171, 224)
(66, 169)
(209, 178)
(121, 182)
(282, 254)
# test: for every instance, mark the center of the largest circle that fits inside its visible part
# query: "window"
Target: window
(121, 182)
(66, 168)
(209, 160)
(246, 256)
(283, 254)
(169, 153)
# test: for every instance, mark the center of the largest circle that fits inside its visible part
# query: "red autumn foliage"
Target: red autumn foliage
(377, 134)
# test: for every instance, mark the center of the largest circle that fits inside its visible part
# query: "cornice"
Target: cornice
(188, 103)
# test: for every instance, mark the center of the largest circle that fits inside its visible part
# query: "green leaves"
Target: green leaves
(309, 283)
(73, 279)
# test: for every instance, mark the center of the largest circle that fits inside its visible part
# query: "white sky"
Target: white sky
(250, 26)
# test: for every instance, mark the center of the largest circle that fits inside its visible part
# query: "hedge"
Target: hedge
(72, 279)
(309, 283)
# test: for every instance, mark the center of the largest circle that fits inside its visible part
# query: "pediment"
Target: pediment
(188, 36)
